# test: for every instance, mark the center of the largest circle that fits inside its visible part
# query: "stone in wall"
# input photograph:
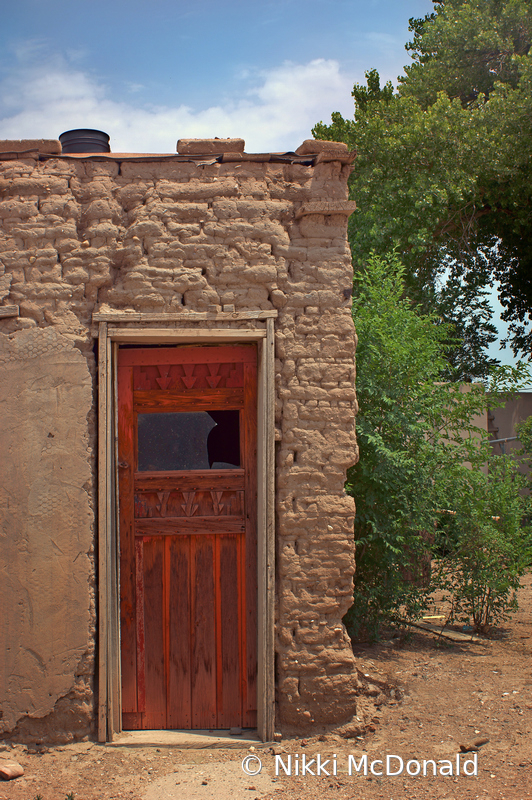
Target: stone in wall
(46, 576)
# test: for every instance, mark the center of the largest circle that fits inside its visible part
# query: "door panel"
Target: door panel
(180, 656)
(187, 499)
(154, 630)
(203, 634)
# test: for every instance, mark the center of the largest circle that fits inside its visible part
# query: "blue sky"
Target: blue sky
(151, 71)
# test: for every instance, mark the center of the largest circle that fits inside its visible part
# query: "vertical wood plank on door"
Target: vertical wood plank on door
(140, 628)
(155, 624)
(167, 588)
(230, 707)
(204, 636)
(219, 622)
(126, 465)
(179, 676)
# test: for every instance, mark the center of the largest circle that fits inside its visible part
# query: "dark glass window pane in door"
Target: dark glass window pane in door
(223, 443)
(188, 440)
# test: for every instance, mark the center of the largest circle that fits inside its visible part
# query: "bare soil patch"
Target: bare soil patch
(447, 694)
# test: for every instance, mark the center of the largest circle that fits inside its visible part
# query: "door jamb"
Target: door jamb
(110, 333)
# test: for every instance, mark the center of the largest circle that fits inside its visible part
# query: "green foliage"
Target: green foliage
(524, 433)
(443, 170)
(415, 434)
(484, 548)
(409, 427)
(466, 47)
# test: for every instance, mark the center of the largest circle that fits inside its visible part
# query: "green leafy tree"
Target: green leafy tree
(410, 428)
(421, 451)
(466, 47)
(443, 170)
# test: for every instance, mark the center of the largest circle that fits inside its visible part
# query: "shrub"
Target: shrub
(415, 435)
(484, 547)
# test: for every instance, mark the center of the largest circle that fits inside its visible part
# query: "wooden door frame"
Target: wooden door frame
(115, 327)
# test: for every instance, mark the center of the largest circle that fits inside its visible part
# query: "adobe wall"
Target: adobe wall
(197, 231)
(46, 536)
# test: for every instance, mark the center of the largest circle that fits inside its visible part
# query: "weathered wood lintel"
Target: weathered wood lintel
(183, 335)
(181, 317)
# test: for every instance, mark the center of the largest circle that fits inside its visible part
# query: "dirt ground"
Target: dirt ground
(447, 694)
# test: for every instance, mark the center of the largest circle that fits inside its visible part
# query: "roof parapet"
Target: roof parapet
(20, 148)
(195, 147)
(312, 147)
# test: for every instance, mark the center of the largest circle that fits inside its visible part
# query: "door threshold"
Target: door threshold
(186, 740)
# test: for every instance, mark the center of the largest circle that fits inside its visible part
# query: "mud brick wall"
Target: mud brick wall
(210, 228)
(46, 537)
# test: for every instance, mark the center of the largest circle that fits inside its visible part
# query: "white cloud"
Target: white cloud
(44, 95)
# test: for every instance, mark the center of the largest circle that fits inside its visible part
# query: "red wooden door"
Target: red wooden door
(188, 551)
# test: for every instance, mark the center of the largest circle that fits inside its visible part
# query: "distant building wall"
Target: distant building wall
(503, 422)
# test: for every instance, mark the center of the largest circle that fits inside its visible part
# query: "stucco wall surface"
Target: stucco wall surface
(45, 525)
(79, 235)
